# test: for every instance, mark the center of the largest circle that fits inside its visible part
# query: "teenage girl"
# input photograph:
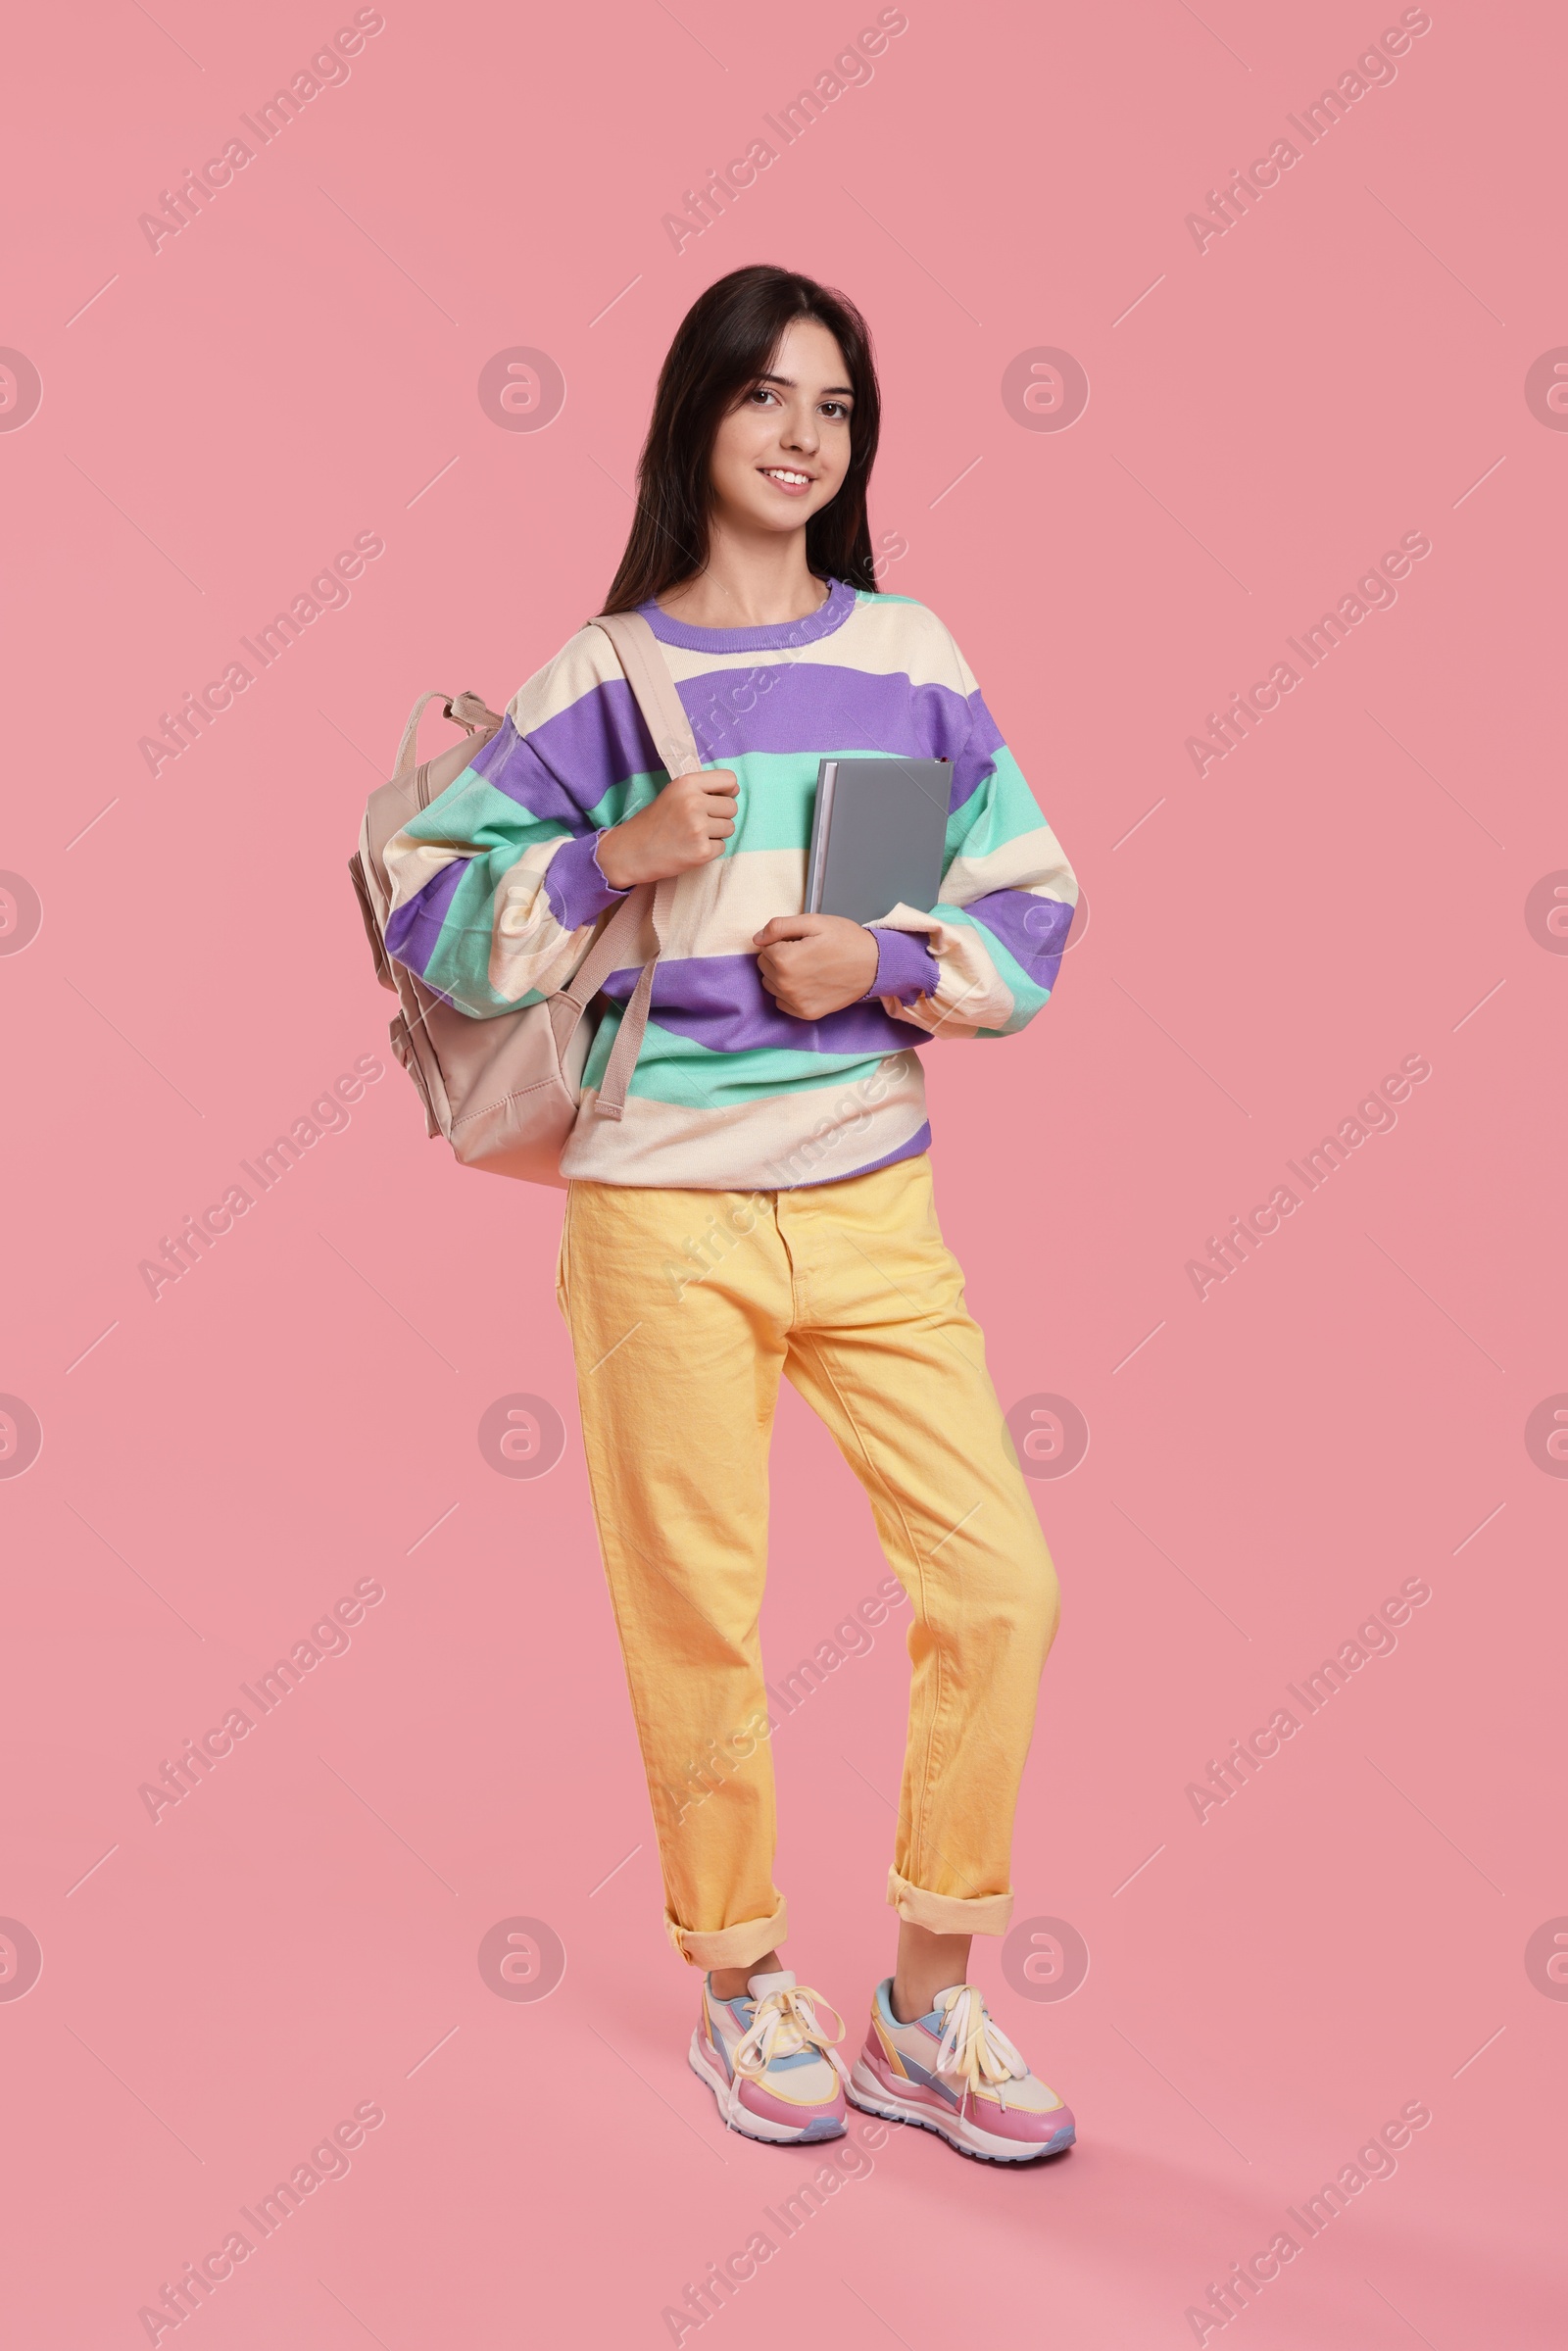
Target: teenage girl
(764, 1204)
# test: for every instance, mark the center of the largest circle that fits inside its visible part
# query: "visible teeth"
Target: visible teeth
(782, 473)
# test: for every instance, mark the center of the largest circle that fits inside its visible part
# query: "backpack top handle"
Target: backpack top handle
(467, 710)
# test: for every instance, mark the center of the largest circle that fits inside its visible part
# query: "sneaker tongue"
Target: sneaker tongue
(780, 1979)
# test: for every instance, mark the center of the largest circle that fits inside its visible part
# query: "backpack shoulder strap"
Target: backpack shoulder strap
(640, 655)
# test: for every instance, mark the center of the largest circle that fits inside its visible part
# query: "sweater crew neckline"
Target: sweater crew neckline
(766, 637)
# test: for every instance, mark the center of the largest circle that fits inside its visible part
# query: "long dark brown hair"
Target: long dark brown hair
(724, 345)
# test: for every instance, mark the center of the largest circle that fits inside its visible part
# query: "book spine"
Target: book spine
(827, 779)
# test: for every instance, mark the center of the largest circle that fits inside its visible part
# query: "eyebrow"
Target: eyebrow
(831, 392)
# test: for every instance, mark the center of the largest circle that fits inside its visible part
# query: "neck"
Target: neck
(750, 580)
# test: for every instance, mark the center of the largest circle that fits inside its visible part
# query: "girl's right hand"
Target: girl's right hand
(686, 825)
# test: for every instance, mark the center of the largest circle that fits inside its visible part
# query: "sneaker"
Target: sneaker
(956, 2072)
(768, 2061)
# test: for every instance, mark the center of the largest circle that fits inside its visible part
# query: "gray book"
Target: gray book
(879, 836)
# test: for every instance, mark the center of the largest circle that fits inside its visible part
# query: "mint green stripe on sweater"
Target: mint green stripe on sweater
(777, 794)
(672, 1068)
(460, 963)
(471, 810)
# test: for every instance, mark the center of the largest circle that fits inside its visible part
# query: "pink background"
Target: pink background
(1265, 418)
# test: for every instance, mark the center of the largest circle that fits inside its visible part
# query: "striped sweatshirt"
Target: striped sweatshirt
(497, 892)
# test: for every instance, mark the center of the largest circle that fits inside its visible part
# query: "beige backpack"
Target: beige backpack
(504, 1091)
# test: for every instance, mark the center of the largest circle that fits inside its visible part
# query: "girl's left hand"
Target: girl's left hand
(814, 964)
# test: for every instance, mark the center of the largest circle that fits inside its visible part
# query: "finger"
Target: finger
(787, 926)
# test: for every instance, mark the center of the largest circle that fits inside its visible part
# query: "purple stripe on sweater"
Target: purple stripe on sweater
(719, 1002)
(599, 741)
(975, 765)
(574, 886)
(1032, 930)
(567, 765)
(813, 707)
(911, 1149)
(415, 930)
(906, 967)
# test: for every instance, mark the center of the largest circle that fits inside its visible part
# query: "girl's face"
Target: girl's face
(782, 453)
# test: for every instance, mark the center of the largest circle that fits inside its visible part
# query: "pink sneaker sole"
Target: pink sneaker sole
(907, 2103)
(757, 2126)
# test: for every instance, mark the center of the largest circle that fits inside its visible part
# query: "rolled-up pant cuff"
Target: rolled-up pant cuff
(728, 1946)
(948, 1914)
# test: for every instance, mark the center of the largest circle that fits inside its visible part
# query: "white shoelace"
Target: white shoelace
(785, 2023)
(974, 2049)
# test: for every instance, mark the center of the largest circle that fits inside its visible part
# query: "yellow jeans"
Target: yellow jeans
(684, 1306)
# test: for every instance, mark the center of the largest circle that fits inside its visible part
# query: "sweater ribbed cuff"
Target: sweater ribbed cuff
(575, 884)
(904, 967)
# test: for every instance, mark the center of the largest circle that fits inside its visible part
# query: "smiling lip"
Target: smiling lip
(791, 489)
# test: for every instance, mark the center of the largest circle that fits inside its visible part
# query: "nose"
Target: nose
(800, 434)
